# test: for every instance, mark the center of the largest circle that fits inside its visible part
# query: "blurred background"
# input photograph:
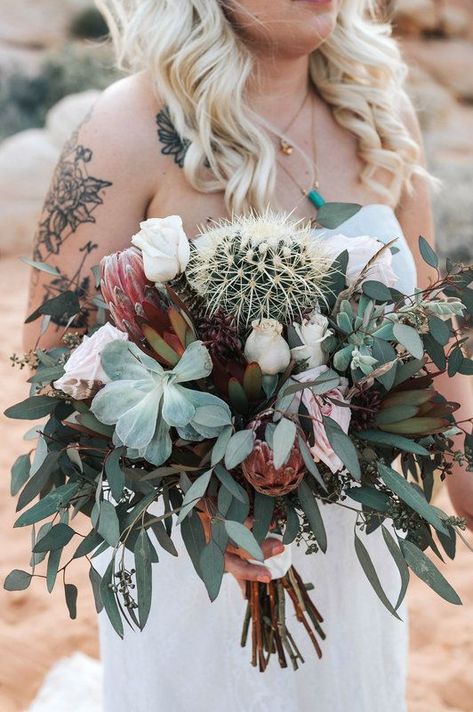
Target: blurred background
(54, 60)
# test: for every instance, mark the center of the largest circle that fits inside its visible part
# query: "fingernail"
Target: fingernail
(264, 578)
(280, 549)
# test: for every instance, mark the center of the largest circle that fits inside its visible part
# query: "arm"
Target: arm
(99, 194)
(103, 184)
(415, 216)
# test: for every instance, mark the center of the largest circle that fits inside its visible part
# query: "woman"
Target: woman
(232, 105)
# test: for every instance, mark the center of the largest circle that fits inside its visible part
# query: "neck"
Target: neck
(278, 87)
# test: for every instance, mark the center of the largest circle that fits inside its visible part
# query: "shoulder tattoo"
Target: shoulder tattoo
(172, 143)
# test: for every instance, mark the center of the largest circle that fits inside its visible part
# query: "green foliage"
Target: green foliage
(88, 24)
(25, 99)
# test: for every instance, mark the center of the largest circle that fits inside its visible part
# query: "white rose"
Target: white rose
(165, 247)
(83, 371)
(360, 251)
(267, 346)
(312, 332)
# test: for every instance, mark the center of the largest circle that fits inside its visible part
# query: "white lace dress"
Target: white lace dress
(188, 658)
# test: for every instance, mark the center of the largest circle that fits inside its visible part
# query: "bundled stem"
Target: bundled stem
(266, 610)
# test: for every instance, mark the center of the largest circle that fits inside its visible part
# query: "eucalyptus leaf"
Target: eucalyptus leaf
(231, 484)
(108, 599)
(332, 215)
(455, 361)
(312, 512)
(17, 580)
(423, 567)
(224, 501)
(195, 492)
(370, 572)
(212, 568)
(64, 306)
(439, 330)
(244, 538)
(143, 576)
(376, 290)
(39, 480)
(370, 497)
(411, 496)
(448, 542)
(193, 536)
(219, 449)
(392, 440)
(19, 473)
(435, 351)
(32, 408)
(70, 592)
(263, 515)
(283, 441)
(409, 338)
(41, 266)
(54, 559)
(292, 527)
(50, 504)
(88, 544)
(47, 375)
(95, 581)
(108, 525)
(400, 562)
(428, 254)
(115, 474)
(58, 536)
(309, 462)
(343, 447)
(164, 540)
(239, 447)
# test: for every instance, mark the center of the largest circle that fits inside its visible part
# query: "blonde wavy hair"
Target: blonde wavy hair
(201, 67)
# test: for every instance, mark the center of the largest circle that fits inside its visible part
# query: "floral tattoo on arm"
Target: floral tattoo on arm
(71, 201)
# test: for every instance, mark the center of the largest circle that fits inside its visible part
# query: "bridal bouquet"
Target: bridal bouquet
(245, 381)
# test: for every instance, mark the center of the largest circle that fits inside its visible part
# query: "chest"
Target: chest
(325, 151)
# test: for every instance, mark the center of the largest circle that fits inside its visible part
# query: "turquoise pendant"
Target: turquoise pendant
(315, 198)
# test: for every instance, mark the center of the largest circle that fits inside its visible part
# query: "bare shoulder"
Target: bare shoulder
(121, 128)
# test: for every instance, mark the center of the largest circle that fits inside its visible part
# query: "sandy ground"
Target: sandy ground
(35, 629)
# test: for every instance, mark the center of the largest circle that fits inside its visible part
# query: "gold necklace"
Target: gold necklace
(284, 145)
(312, 192)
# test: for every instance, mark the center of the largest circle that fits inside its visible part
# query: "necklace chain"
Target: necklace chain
(314, 185)
(285, 146)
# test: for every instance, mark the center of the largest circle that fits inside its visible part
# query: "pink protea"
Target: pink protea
(258, 468)
(125, 288)
(137, 307)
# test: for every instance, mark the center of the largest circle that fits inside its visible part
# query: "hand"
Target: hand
(236, 559)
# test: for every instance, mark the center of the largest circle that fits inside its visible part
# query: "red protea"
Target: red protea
(124, 288)
(149, 317)
(259, 470)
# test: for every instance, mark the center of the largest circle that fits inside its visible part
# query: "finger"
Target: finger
(242, 570)
(272, 547)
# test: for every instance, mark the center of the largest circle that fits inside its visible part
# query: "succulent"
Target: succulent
(259, 266)
(415, 413)
(144, 401)
(154, 320)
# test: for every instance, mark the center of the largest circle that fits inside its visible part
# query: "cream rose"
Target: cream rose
(165, 247)
(312, 332)
(360, 251)
(267, 346)
(84, 374)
